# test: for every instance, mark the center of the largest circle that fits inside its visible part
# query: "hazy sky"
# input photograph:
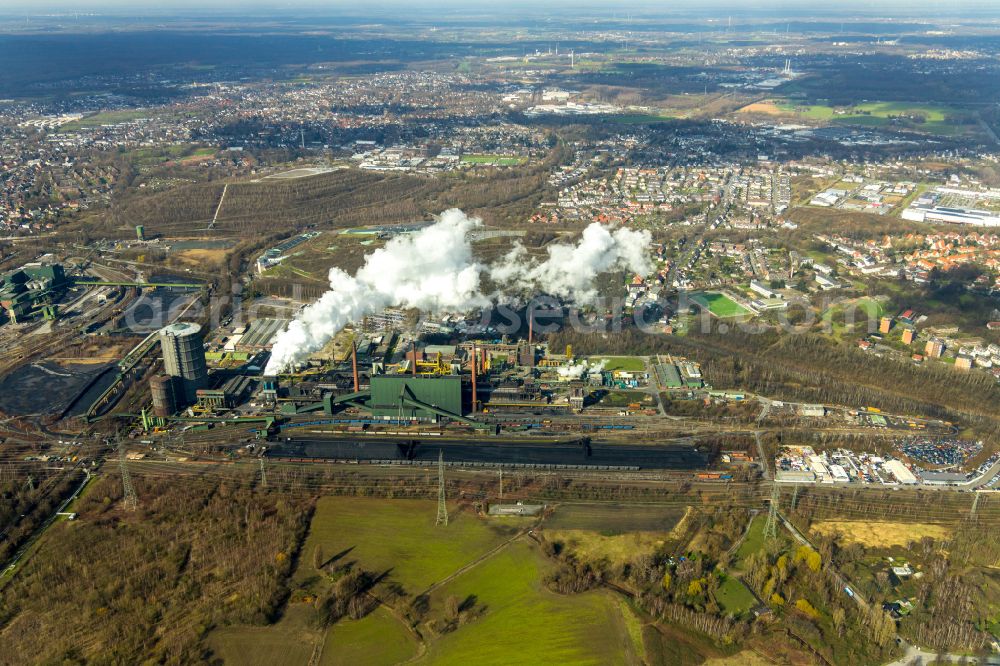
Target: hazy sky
(480, 6)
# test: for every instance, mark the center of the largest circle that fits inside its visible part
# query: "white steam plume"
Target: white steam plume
(434, 271)
(579, 370)
(569, 270)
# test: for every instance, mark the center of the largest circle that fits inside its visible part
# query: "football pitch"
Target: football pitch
(720, 305)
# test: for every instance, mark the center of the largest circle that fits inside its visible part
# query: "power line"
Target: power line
(771, 527)
(128, 490)
(442, 517)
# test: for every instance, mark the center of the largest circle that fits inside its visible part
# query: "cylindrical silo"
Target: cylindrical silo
(184, 358)
(162, 388)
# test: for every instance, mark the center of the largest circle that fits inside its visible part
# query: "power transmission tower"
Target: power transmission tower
(263, 474)
(501, 486)
(128, 491)
(442, 517)
(975, 505)
(795, 497)
(771, 526)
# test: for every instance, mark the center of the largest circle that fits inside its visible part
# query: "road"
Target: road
(842, 582)
(22, 551)
(917, 657)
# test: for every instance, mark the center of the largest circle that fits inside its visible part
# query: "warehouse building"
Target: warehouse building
(406, 397)
(899, 470)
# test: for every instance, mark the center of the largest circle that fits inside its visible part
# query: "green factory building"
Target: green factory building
(407, 397)
(31, 289)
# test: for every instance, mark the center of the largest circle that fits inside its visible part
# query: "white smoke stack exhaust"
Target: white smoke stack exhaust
(433, 270)
(569, 270)
(580, 370)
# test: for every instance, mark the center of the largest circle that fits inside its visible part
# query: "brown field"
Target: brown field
(195, 159)
(879, 534)
(768, 108)
(593, 547)
(201, 257)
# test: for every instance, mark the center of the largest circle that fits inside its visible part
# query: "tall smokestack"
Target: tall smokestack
(354, 365)
(531, 322)
(474, 397)
(413, 352)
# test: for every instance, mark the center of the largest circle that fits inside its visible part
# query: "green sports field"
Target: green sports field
(720, 305)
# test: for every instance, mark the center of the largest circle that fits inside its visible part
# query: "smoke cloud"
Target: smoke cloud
(569, 270)
(433, 270)
(580, 370)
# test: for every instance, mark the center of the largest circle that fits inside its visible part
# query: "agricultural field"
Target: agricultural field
(720, 305)
(932, 118)
(880, 534)
(525, 619)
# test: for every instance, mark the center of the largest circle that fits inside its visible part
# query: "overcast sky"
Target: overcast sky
(480, 6)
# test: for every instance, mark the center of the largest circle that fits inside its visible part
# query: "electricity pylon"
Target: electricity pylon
(128, 491)
(263, 474)
(442, 517)
(771, 526)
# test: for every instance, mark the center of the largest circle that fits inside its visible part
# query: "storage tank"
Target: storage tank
(162, 388)
(184, 358)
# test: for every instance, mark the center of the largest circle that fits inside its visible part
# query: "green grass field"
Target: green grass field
(497, 160)
(720, 305)
(105, 118)
(754, 540)
(376, 640)
(625, 363)
(525, 623)
(734, 597)
(852, 318)
(938, 118)
(513, 615)
(399, 537)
